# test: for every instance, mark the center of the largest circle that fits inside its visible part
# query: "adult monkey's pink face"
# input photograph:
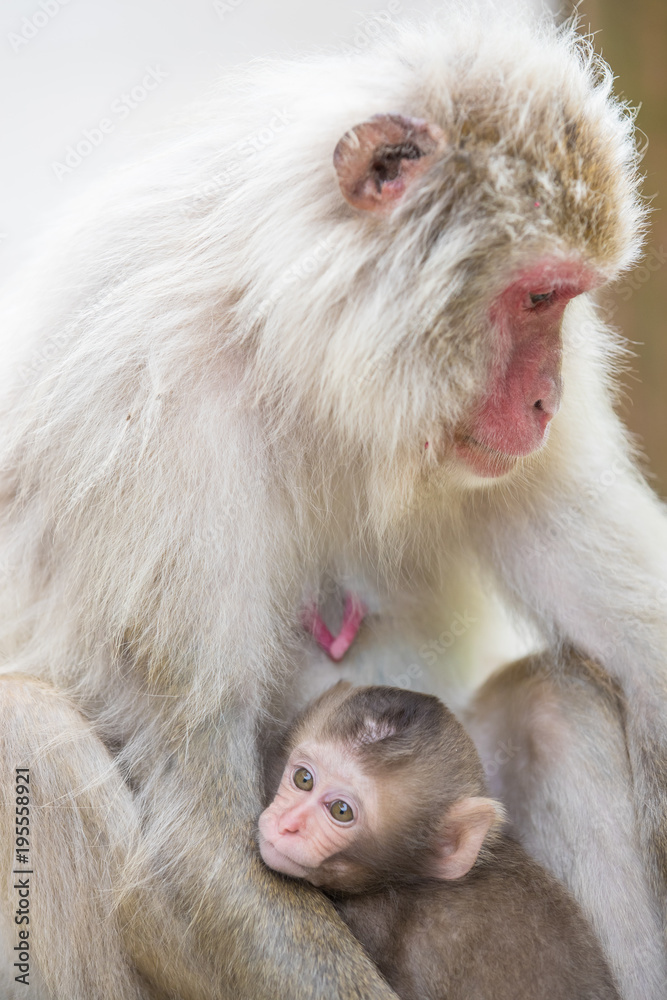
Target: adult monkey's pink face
(378, 163)
(524, 393)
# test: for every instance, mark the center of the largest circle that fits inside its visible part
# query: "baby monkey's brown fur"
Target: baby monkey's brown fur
(506, 930)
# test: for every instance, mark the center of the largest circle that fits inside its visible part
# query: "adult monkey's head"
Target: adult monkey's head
(469, 220)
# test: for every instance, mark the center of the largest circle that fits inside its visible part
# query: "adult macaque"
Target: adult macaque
(383, 801)
(337, 359)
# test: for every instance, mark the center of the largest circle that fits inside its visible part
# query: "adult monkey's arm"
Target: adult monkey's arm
(243, 931)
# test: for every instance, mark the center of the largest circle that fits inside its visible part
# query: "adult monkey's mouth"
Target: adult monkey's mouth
(481, 458)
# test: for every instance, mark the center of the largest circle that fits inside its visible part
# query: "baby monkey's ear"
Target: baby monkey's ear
(467, 824)
(378, 160)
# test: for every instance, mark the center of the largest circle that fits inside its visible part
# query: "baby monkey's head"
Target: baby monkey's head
(381, 786)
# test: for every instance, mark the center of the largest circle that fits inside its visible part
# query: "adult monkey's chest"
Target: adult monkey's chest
(407, 636)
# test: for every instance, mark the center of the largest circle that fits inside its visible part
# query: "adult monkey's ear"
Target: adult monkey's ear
(378, 160)
(467, 824)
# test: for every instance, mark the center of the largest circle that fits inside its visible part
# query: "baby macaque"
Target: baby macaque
(382, 803)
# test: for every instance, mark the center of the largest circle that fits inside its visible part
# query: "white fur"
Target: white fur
(221, 385)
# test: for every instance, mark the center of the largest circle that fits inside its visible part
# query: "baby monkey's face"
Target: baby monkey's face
(323, 805)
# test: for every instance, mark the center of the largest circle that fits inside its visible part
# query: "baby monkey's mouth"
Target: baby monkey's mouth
(279, 861)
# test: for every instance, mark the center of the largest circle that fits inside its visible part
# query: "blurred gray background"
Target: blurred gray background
(68, 65)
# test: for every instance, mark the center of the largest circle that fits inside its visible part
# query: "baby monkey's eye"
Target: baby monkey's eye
(302, 778)
(341, 811)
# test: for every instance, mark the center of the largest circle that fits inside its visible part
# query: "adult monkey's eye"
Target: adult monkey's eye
(540, 297)
(341, 811)
(302, 778)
